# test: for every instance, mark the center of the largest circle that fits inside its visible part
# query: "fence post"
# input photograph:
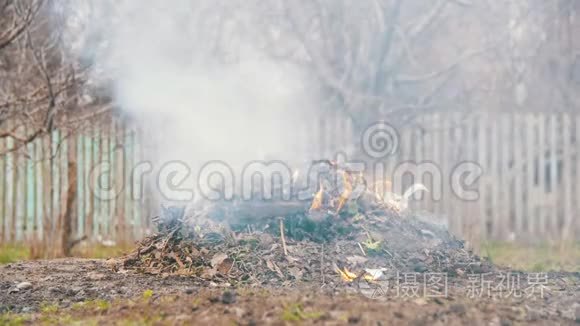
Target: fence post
(567, 176)
(554, 207)
(505, 176)
(518, 159)
(3, 192)
(119, 209)
(577, 182)
(14, 190)
(89, 202)
(482, 157)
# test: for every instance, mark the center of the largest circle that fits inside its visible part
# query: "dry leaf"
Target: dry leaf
(176, 257)
(291, 259)
(274, 268)
(372, 275)
(295, 272)
(194, 252)
(346, 275)
(208, 273)
(225, 266)
(218, 259)
(270, 265)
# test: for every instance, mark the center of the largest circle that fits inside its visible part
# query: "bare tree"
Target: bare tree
(41, 83)
(389, 58)
(42, 87)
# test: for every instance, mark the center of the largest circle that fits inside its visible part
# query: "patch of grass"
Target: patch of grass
(100, 252)
(49, 308)
(92, 305)
(56, 320)
(11, 319)
(372, 246)
(13, 253)
(147, 294)
(534, 258)
(295, 313)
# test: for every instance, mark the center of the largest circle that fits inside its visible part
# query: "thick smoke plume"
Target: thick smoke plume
(196, 78)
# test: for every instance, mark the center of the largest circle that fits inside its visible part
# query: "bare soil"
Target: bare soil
(187, 299)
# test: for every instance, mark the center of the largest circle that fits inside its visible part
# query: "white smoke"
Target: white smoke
(194, 77)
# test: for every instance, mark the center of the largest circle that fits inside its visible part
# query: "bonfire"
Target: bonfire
(335, 237)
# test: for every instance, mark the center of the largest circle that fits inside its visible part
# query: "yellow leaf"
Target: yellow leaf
(346, 275)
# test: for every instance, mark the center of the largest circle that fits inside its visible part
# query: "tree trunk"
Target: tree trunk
(67, 216)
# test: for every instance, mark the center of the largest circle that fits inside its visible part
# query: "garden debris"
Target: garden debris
(284, 242)
(215, 252)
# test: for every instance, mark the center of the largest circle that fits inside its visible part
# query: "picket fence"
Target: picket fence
(530, 172)
(34, 184)
(527, 191)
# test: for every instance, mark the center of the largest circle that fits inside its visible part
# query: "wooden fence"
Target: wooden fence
(528, 189)
(530, 164)
(530, 168)
(34, 184)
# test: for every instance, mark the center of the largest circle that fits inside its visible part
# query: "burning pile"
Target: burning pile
(334, 235)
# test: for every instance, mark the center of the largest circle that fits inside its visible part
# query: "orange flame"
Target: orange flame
(317, 200)
(345, 193)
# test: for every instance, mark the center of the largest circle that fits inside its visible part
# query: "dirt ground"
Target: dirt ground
(364, 266)
(89, 292)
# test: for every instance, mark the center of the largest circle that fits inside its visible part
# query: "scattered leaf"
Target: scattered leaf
(346, 275)
(274, 268)
(225, 266)
(218, 259)
(295, 272)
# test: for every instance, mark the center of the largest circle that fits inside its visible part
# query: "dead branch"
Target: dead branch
(9, 36)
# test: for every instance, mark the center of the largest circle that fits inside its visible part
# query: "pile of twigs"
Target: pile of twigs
(265, 242)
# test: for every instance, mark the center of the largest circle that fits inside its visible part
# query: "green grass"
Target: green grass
(13, 253)
(92, 305)
(10, 319)
(90, 312)
(147, 294)
(48, 308)
(296, 313)
(101, 252)
(534, 258)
